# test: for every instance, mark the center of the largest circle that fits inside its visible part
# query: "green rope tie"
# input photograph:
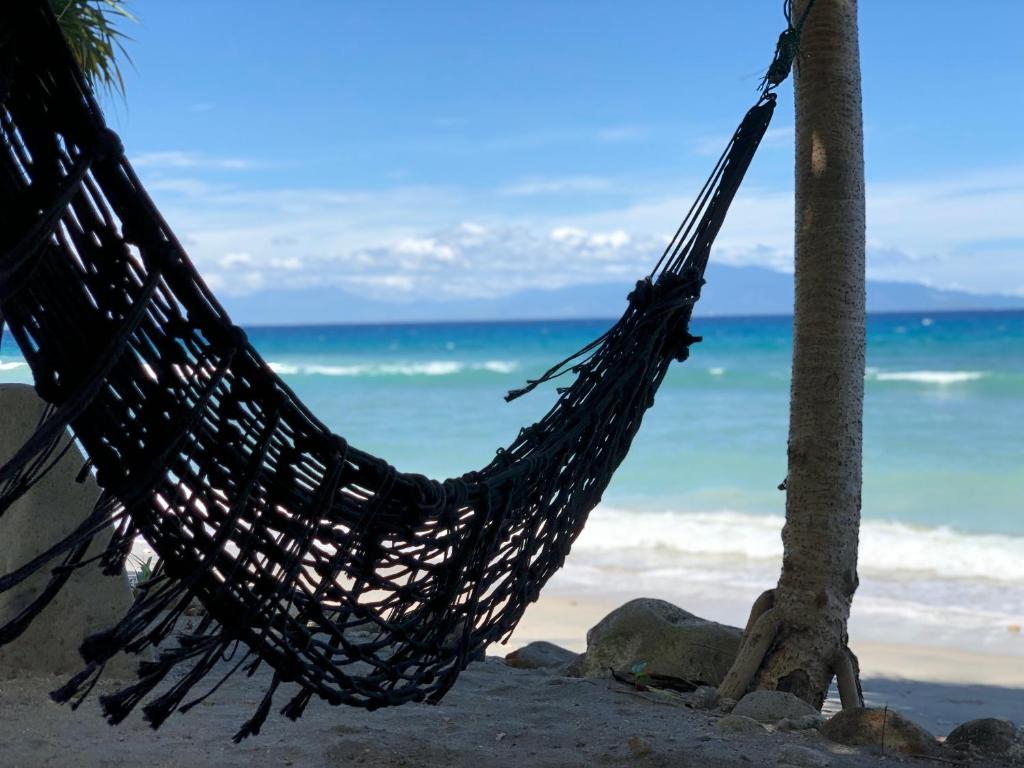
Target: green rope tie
(786, 49)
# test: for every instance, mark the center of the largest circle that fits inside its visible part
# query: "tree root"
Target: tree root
(847, 673)
(764, 601)
(761, 632)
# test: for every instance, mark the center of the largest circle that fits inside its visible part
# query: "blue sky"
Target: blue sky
(474, 149)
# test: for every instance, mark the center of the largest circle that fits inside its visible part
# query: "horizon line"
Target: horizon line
(603, 318)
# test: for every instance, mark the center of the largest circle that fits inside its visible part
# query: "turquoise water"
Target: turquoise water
(943, 451)
(944, 408)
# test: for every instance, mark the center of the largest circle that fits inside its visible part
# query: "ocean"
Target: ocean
(694, 513)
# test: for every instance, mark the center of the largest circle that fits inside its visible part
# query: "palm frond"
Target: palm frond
(90, 27)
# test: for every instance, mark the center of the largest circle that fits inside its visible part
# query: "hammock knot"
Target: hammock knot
(785, 53)
(228, 338)
(670, 284)
(109, 469)
(236, 338)
(108, 144)
(640, 297)
(340, 445)
(529, 433)
(685, 342)
(502, 458)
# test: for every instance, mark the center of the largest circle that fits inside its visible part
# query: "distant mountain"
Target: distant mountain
(730, 291)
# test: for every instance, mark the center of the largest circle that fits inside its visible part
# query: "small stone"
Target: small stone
(540, 655)
(802, 757)
(639, 747)
(705, 697)
(772, 706)
(725, 705)
(990, 737)
(805, 723)
(739, 724)
(883, 729)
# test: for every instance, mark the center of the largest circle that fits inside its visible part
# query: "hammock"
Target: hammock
(362, 584)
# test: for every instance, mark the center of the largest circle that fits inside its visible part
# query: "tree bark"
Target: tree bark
(811, 604)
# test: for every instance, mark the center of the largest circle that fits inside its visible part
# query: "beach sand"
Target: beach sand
(500, 716)
(938, 687)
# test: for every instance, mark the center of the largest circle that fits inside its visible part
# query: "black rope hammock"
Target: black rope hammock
(362, 584)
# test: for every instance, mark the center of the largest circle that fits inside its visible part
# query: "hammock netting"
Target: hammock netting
(364, 585)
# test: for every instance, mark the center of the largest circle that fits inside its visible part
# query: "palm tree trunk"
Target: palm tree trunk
(797, 637)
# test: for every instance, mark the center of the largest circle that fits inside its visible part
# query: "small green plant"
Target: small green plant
(146, 571)
(143, 570)
(640, 677)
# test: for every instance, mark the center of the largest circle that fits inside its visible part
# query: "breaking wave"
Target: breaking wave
(888, 549)
(427, 368)
(940, 378)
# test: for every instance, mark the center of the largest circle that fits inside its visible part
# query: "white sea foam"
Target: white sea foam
(283, 369)
(499, 366)
(716, 371)
(427, 368)
(940, 378)
(888, 550)
(12, 365)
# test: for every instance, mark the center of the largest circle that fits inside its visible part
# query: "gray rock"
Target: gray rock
(805, 723)
(540, 655)
(90, 601)
(739, 724)
(667, 639)
(802, 757)
(990, 737)
(885, 730)
(704, 697)
(772, 706)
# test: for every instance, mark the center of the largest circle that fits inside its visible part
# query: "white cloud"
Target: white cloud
(235, 259)
(615, 239)
(177, 160)
(567, 234)
(963, 230)
(556, 186)
(427, 247)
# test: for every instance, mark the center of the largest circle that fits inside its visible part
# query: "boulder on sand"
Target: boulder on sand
(880, 728)
(540, 655)
(665, 639)
(50, 510)
(990, 737)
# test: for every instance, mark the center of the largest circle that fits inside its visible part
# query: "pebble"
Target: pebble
(802, 757)
(639, 747)
(739, 724)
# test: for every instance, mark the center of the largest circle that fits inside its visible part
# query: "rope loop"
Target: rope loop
(787, 48)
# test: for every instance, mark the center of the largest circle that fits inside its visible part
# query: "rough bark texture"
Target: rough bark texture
(811, 603)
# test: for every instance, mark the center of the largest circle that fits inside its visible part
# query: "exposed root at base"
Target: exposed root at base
(761, 633)
(847, 672)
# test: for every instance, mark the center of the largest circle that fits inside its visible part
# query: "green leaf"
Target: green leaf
(90, 27)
